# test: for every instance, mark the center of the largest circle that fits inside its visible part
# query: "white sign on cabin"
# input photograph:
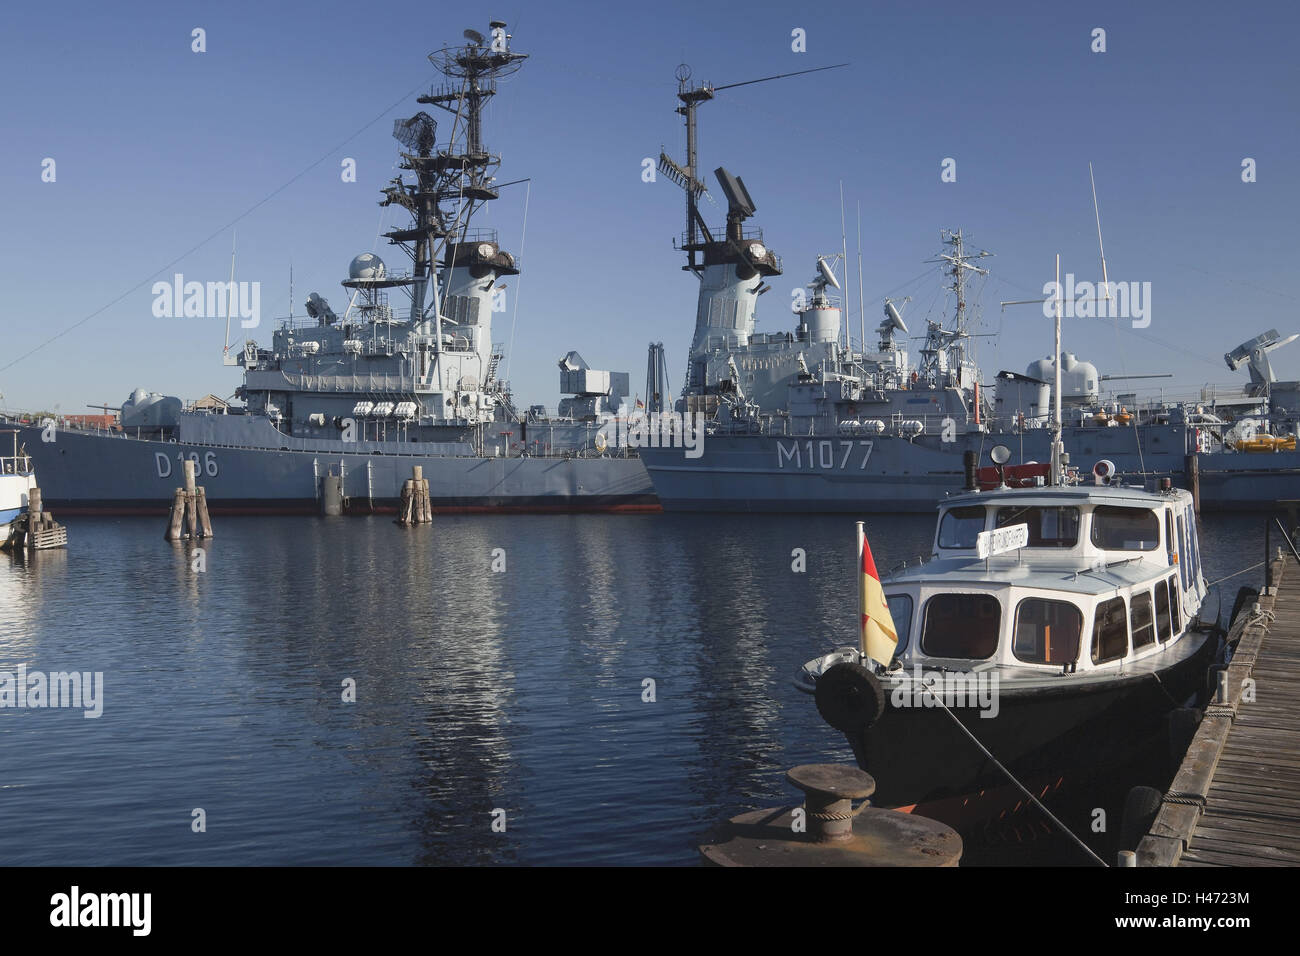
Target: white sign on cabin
(989, 543)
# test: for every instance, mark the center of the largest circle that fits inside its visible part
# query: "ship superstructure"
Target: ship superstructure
(807, 420)
(369, 387)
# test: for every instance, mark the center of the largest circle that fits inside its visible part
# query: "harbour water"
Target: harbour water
(477, 690)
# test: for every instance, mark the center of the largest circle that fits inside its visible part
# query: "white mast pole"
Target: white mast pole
(844, 249)
(1056, 391)
(230, 294)
(1097, 211)
(862, 310)
(862, 644)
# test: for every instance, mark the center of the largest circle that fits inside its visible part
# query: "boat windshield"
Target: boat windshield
(1115, 528)
(1048, 527)
(960, 527)
(961, 626)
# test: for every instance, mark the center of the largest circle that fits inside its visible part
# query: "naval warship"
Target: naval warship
(368, 394)
(807, 420)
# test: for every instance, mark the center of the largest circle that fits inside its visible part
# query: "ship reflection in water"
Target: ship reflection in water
(524, 691)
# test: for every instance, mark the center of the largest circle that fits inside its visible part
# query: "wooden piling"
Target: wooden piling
(36, 530)
(205, 522)
(189, 511)
(176, 517)
(415, 507)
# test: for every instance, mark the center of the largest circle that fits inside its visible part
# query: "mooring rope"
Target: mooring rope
(1235, 573)
(1010, 776)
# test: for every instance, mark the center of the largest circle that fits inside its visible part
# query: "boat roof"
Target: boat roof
(1068, 495)
(1007, 571)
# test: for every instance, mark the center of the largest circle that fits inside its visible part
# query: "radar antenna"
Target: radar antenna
(687, 176)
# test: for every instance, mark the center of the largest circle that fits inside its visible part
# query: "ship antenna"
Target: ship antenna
(1097, 211)
(862, 309)
(686, 176)
(1057, 447)
(230, 293)
(844, 250)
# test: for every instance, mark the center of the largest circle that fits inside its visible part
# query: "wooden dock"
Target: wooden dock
(1235, 800)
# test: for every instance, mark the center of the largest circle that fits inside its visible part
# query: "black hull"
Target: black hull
(1048, 738)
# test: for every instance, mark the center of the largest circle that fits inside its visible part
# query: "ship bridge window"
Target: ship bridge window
(1115, 528)
(1048, 527)
(1047, 632)
(961, 626)
(1142, 621)
(961, 526)
(1109, 631)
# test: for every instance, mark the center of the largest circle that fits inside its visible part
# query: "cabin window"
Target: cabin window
(1162, 611)
(1170, 545)
(900, 609)
(1048, 527)
(960, 527)
(1125, 529)
(1047, 632)
(961, 625)
(1109, 631)
(1142, 620)
(1174, 608)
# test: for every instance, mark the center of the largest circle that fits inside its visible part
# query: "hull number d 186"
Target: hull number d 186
(206, 466)
(842, 455)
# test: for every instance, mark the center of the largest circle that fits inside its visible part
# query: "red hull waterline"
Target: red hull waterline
(117, 510)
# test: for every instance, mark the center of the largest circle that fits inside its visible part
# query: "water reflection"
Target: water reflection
(523, 690)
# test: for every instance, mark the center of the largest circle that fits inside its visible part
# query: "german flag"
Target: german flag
(879, 637)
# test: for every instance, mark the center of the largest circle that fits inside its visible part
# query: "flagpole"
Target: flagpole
(862, 594)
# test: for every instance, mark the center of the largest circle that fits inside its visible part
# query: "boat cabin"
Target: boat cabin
(1097, 578)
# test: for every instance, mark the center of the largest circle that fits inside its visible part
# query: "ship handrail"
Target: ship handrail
(16, 465)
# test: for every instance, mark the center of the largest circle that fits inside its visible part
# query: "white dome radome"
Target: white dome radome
(366, 266)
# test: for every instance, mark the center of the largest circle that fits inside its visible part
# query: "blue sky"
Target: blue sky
(159, 149)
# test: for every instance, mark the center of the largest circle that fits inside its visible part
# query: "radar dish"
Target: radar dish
(683, 73)
(473, 36)
(1000, 454)
(417, 134)
(825, 269)
(891, 311)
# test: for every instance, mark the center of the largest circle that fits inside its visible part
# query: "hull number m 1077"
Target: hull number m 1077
(826, 454)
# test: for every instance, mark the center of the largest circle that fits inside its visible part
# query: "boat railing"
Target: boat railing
(15, 464)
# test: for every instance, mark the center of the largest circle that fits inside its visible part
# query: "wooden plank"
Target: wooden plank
(1251, 770)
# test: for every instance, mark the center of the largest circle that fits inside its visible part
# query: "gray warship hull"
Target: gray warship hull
(884, 473)
(87, 473)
